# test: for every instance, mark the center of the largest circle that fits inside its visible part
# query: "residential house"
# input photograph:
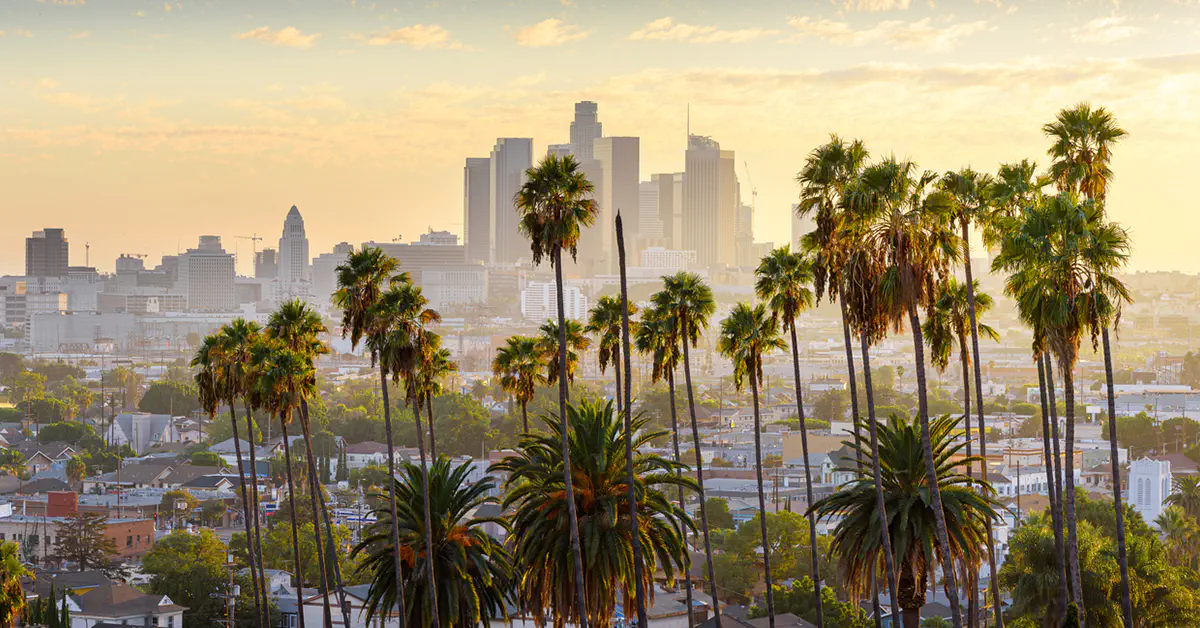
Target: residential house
(92, 599)
(142, 430)
(41, 457)
(367, 453)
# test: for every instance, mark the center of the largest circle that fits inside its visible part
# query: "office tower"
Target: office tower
(206, 275)
(510, 158)
(585, 129)
(670, 207)
(743, 235)
(800, 226)
(46, 254)
(266, 264)
(619, 190)
(650, 226)
(435, 263)
(324, 272)
(293, 251)
(477, 217)
(709, 202)
(558, 150)
(539, 301)
(432, 250)
(439, 237)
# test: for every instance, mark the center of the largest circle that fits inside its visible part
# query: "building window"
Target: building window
(129, 541)
(33, 540)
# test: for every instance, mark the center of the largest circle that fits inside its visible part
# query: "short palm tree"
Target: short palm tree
(1185, 493)
(518, 368)
(361, 281)
(967, 503)
(435, 366)
(688, 301)
(12, 572)
(577, 343)
(604, 320)
(782, 281)
(474, 570)
(542, 555)
(555, 205)
(749, 333)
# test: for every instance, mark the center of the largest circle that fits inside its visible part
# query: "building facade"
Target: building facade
(206, 275)
(46, 253)
(709, 202)
(539, 302)
(510, 158)
(477, 216)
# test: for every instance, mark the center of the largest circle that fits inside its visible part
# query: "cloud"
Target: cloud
(1104, 30)
(666, 29)
(549, 32)
(18, 32)
(65, 3)
(289, 36)
(80, 35)
(419, 36)
(876, 6)
(922, 34)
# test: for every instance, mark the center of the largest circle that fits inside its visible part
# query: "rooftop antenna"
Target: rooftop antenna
(87, 253)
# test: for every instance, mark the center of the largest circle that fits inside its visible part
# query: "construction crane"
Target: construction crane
(753, 190)
(254, 239)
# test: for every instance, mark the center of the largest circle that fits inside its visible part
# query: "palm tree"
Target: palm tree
(969, 196)
(475, 570)
(12, 572)
(604, 320)
(577, 343)
(299, 328)
(542, 555)
(746, 335)
(657, 337)
(233, 348)
(1179, 531)
(435, 365)
(782, 280)
(1083, 139)
(517, 366)
(403, 313)
(967, 504)
(688, 302)
(1185, 493)
(555, 205)
(361, 280)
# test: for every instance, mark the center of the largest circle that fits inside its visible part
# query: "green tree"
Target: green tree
(26, 386)
(798, 599)
(12, 573)
(517, 366)
(170, 397)
(189, 568)
(735, 579)
(718, 514)
(72, 432)
(206, 459)
(604, 321)
(541, 549)
(11, 365)
(831, 405)
(81, 541)
(76, 471)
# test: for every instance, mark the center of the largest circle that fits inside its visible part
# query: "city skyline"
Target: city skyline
(363, 116)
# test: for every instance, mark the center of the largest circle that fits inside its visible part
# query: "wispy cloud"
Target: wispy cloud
(289, 36)
(80, 35)
(924, 34)
(1104, 30)
(666, 29)
(66, 3)
(17, 32)
(419, 36)
(875, 6)
(550, 32)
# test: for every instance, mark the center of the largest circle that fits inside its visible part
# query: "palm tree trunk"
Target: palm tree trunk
(687, 574)
(1060, 530)
(525, 416)
(1052, 490)
(287, 461)
(631, 488)
(708, 554)
(576, 551)
(237, 448)
(330, 547)
(885, 534)
(314, 487)
(939, 516)
(617, 371)
(429, 549)
(1122, 558)
(1069, 479)
(812, 520)
(973, 599)
(997, 609)
(429, 420)
(391, 453)
(262, 574)
(762, 501)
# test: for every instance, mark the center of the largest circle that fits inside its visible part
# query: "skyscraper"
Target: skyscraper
(510, 158)
(650, 224)
(800, 226)
(709, 202)
(324, 272)
(266, 264)
(585, 129)
(206, 275)
(670, 207)
(618, 185)
(743, 235)
(46, 254)
(477, 217)
(293, 251)
(558, 150)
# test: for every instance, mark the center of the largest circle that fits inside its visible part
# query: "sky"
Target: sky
(139, 125)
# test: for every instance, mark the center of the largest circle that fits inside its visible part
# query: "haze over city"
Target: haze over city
(171, 120)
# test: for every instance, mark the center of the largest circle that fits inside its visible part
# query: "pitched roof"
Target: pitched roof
(43, 485)
(184, 473)
(116, 599)
(141, 473)
(367, 447)
(212, 481)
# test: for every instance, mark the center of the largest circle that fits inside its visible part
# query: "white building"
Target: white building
(617, 190)
(462, 284)
(668, 260)
(293, 255)
(800, 226)
(650, 224)
(539, 302)
(206, 275)
(1149, 486)
(710, 202)
(324, 272)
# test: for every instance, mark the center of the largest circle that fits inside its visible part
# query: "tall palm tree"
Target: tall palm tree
(518, 367)
(577, 343)
(299, 328)
(967, 504)
(1185, 493)
(1051, 279)
(404, 314)
(12, 573)
(476, 580)
(1083, 138)
(968, 194)
(540, 544)
(555, 205)
(210, 383)
(604, 320)
(434, 366)
(657, 337)
(746, 335)
(361, 280)
(782, 280)
(688, 301)
(236, 343)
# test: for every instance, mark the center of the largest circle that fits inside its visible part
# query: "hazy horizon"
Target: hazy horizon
(138, 126)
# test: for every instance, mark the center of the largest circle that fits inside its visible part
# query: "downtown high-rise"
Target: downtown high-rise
(477, 216)
(710, 202)
(46, 253)
(293, 251)
(510, 158)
